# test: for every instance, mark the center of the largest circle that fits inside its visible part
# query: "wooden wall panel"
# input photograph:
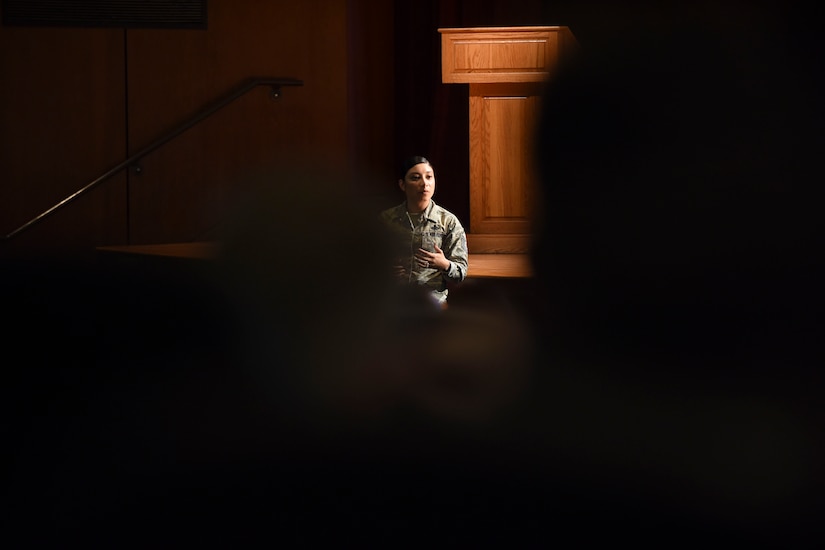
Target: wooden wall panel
(62, 125)
(76, 102)
(184, 190)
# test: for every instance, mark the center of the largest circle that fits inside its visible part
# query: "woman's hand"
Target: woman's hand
(435, 260)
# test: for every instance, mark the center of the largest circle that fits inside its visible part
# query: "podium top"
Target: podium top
(502, 54)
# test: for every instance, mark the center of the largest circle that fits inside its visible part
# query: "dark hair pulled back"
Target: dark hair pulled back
(409, 162)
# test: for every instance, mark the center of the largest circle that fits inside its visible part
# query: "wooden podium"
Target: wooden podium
(506, 68)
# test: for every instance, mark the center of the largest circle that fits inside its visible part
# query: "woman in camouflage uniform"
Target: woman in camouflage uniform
(430, 243)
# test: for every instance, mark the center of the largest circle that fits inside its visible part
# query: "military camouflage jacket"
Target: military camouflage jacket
(438, 227)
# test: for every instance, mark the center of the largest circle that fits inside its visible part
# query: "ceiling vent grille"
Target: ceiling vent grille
(171, 14)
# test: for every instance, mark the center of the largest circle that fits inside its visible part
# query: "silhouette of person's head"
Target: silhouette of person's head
(678, 211)
(678, 255)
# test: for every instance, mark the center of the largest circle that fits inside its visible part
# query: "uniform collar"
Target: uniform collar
(428, 212)
(401, 211)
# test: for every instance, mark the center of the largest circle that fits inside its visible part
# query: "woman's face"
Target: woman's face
(419, 184)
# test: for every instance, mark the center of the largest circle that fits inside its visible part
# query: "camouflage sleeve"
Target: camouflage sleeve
(455, 250)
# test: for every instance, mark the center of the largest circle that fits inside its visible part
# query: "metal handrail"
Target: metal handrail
(249, 84)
